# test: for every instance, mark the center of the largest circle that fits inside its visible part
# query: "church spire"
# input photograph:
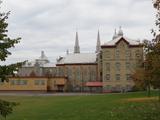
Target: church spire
(98, 46)
(120, 32)
(115, 35)
(76, 47)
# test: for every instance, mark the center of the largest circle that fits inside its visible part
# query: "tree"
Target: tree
(6, 108)
(151, 66)
(6, 70)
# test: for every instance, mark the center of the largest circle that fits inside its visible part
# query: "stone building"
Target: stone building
(118, 60)
(108, 69)
(39, 67)
(80, 68)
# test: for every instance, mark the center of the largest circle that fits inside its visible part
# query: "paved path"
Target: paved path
(47, 94)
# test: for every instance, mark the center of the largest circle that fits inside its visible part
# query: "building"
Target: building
(80, 69)
(35, 84)
(39, 67)
(108, 69)
(118, 60)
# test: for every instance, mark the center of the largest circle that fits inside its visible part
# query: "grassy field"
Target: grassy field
(128, 106)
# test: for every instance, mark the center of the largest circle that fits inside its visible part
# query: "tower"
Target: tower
(98, 46)
(43, 56)
(120, 32)
(115, 35)
(76, 47)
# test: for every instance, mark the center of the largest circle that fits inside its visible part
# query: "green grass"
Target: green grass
(94, 107)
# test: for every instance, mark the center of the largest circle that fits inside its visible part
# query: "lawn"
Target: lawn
(128, 106)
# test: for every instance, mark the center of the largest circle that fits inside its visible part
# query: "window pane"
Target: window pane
(118, 65)
(117, 76)
(107, 76)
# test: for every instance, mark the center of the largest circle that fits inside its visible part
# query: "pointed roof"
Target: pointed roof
(115, 41)
(76, 47)
(98, 46)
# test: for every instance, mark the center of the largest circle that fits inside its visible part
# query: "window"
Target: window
(79, 73)
(117, 54)
(107, 67)
(127, 65)
(39, 82)
(18, 82)
(24, 82)
(93, 75)
(69, 72)
(118, 65)
(118, 77)
(128, 77)
(107, 76)
(137, 54)
(128, 54)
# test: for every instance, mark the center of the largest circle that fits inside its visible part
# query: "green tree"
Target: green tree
(6, 70)
(151, 66)
(6, 108)
(155, 48)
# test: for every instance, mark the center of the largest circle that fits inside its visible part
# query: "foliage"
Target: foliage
(149, 73)
(6, 108)
(9, 70)
(6, 42)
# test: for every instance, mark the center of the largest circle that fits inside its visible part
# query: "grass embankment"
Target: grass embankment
(128, 106)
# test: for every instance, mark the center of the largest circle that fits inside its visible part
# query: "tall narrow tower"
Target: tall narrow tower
(115, 35)
(76, 47)
(120, 32)
(98, 46)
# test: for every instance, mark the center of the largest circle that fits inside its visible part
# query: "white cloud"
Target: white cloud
(50, 25)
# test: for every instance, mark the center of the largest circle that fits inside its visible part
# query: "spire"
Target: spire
(98, 46)
(67, 51)
(115, 35)
(76, 47)
(120, 32)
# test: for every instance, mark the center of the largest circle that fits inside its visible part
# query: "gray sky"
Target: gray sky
(50, 25)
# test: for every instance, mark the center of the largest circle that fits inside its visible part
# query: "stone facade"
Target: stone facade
(109, 69)
(79, 74)
(118, 62)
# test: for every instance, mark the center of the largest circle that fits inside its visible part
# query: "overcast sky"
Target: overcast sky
(50, 25)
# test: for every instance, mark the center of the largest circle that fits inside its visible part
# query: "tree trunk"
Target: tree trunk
(148, 91)
(159, 94)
